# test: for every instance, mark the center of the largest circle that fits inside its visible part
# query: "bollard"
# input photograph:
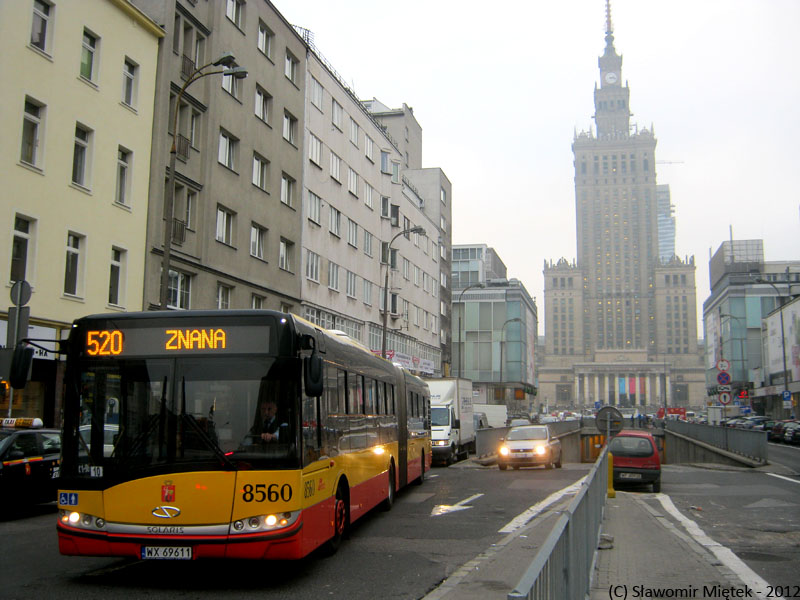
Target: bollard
(611, 492)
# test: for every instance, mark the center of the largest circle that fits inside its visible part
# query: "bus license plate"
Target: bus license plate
(167, 552)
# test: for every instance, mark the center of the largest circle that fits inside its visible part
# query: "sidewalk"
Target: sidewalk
(649, 550)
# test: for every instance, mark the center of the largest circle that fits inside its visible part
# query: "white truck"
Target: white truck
(497, 414)
(452, 429)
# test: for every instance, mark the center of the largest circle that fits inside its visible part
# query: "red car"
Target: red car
(636, 458)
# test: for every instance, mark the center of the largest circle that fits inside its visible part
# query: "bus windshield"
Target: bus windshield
(189, 413)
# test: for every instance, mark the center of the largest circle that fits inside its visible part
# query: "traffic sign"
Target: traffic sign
(723, 378)
(723, 388)
(725, 398)
(609, 421)
(787, 395)
(723, 364)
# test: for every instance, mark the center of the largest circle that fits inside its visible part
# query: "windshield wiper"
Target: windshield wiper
(207, 441)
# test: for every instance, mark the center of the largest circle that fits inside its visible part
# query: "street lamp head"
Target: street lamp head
(226, 60)
(418, 229)
(236, 72)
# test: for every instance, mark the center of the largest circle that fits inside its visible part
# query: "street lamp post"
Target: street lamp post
(227, 61)
(418, 229)
(461, 310)
(502, 332)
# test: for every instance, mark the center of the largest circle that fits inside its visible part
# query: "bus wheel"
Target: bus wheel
(421, 477)
(339, 521)
(388, 502)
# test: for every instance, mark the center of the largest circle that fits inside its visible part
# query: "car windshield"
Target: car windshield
(527, 433)
(196, 413)
(623, 445)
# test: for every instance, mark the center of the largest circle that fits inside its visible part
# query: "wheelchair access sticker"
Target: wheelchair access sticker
(68, 499)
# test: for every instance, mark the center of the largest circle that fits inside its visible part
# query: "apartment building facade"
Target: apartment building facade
(78, 113)
(237, 202)
(357, 249)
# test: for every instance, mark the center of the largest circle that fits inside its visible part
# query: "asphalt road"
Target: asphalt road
(432, 530)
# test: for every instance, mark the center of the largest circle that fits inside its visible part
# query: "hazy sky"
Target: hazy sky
(500, 88)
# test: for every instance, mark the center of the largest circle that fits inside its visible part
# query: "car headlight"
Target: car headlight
(540, 450)
(504, 450)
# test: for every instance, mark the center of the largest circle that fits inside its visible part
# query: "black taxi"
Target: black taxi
(29, 462)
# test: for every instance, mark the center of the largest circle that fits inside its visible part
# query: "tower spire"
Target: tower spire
(609, 26)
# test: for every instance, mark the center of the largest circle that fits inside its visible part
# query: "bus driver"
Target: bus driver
(267, 426)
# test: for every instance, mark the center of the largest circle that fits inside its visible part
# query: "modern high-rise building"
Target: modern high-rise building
(620, 321)
(665, 212)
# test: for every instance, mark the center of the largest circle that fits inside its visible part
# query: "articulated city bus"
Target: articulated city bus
(228, 434)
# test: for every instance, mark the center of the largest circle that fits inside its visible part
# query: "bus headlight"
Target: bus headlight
(81, 520)
(264, 523)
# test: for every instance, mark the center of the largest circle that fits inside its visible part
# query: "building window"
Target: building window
(123, 179)
(129, 82)
(263, 105)
(352, 233)
(285, 258)
(233, 10)
(333, 276)
(367, 292)
(179, 290)
(227, 150)
(32, 126)
(257, 236)
(395, 172)
(265, 37)
(40, 30)
(89, 55)
(385, 166)
(336, 114)
(116, 277)
(256, 302)
(367, 243)
(287, 190)
(352, 182)
(21, 247)
(314, 206)
(81, 156)
(289, 128)
(368, 195)
(260, 171)
(352, 281)
(385, 206)
(354, 129)
(312, 266)
(231, 85)
(317, 93)
(188, 212)
(369, 148)
(72, 268)
(224, 226)
(315, 150)
(290, 67)
(336, 166)
(443, 196)
(335, 222)
(223, 296)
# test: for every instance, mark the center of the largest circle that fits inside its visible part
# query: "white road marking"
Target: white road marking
(443, 509)
(725, 555)
(782, 477)
(523, 518)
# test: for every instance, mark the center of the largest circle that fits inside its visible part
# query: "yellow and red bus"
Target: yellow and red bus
(161, 453)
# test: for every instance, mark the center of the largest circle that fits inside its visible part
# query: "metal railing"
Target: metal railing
(746, 442)
(562, 567)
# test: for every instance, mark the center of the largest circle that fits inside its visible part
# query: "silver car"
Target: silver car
(529, 446)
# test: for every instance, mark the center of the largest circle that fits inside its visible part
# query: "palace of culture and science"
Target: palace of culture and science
(621, 320)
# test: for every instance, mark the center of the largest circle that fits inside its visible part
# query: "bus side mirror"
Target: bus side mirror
(21, 362)
(312, 375)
